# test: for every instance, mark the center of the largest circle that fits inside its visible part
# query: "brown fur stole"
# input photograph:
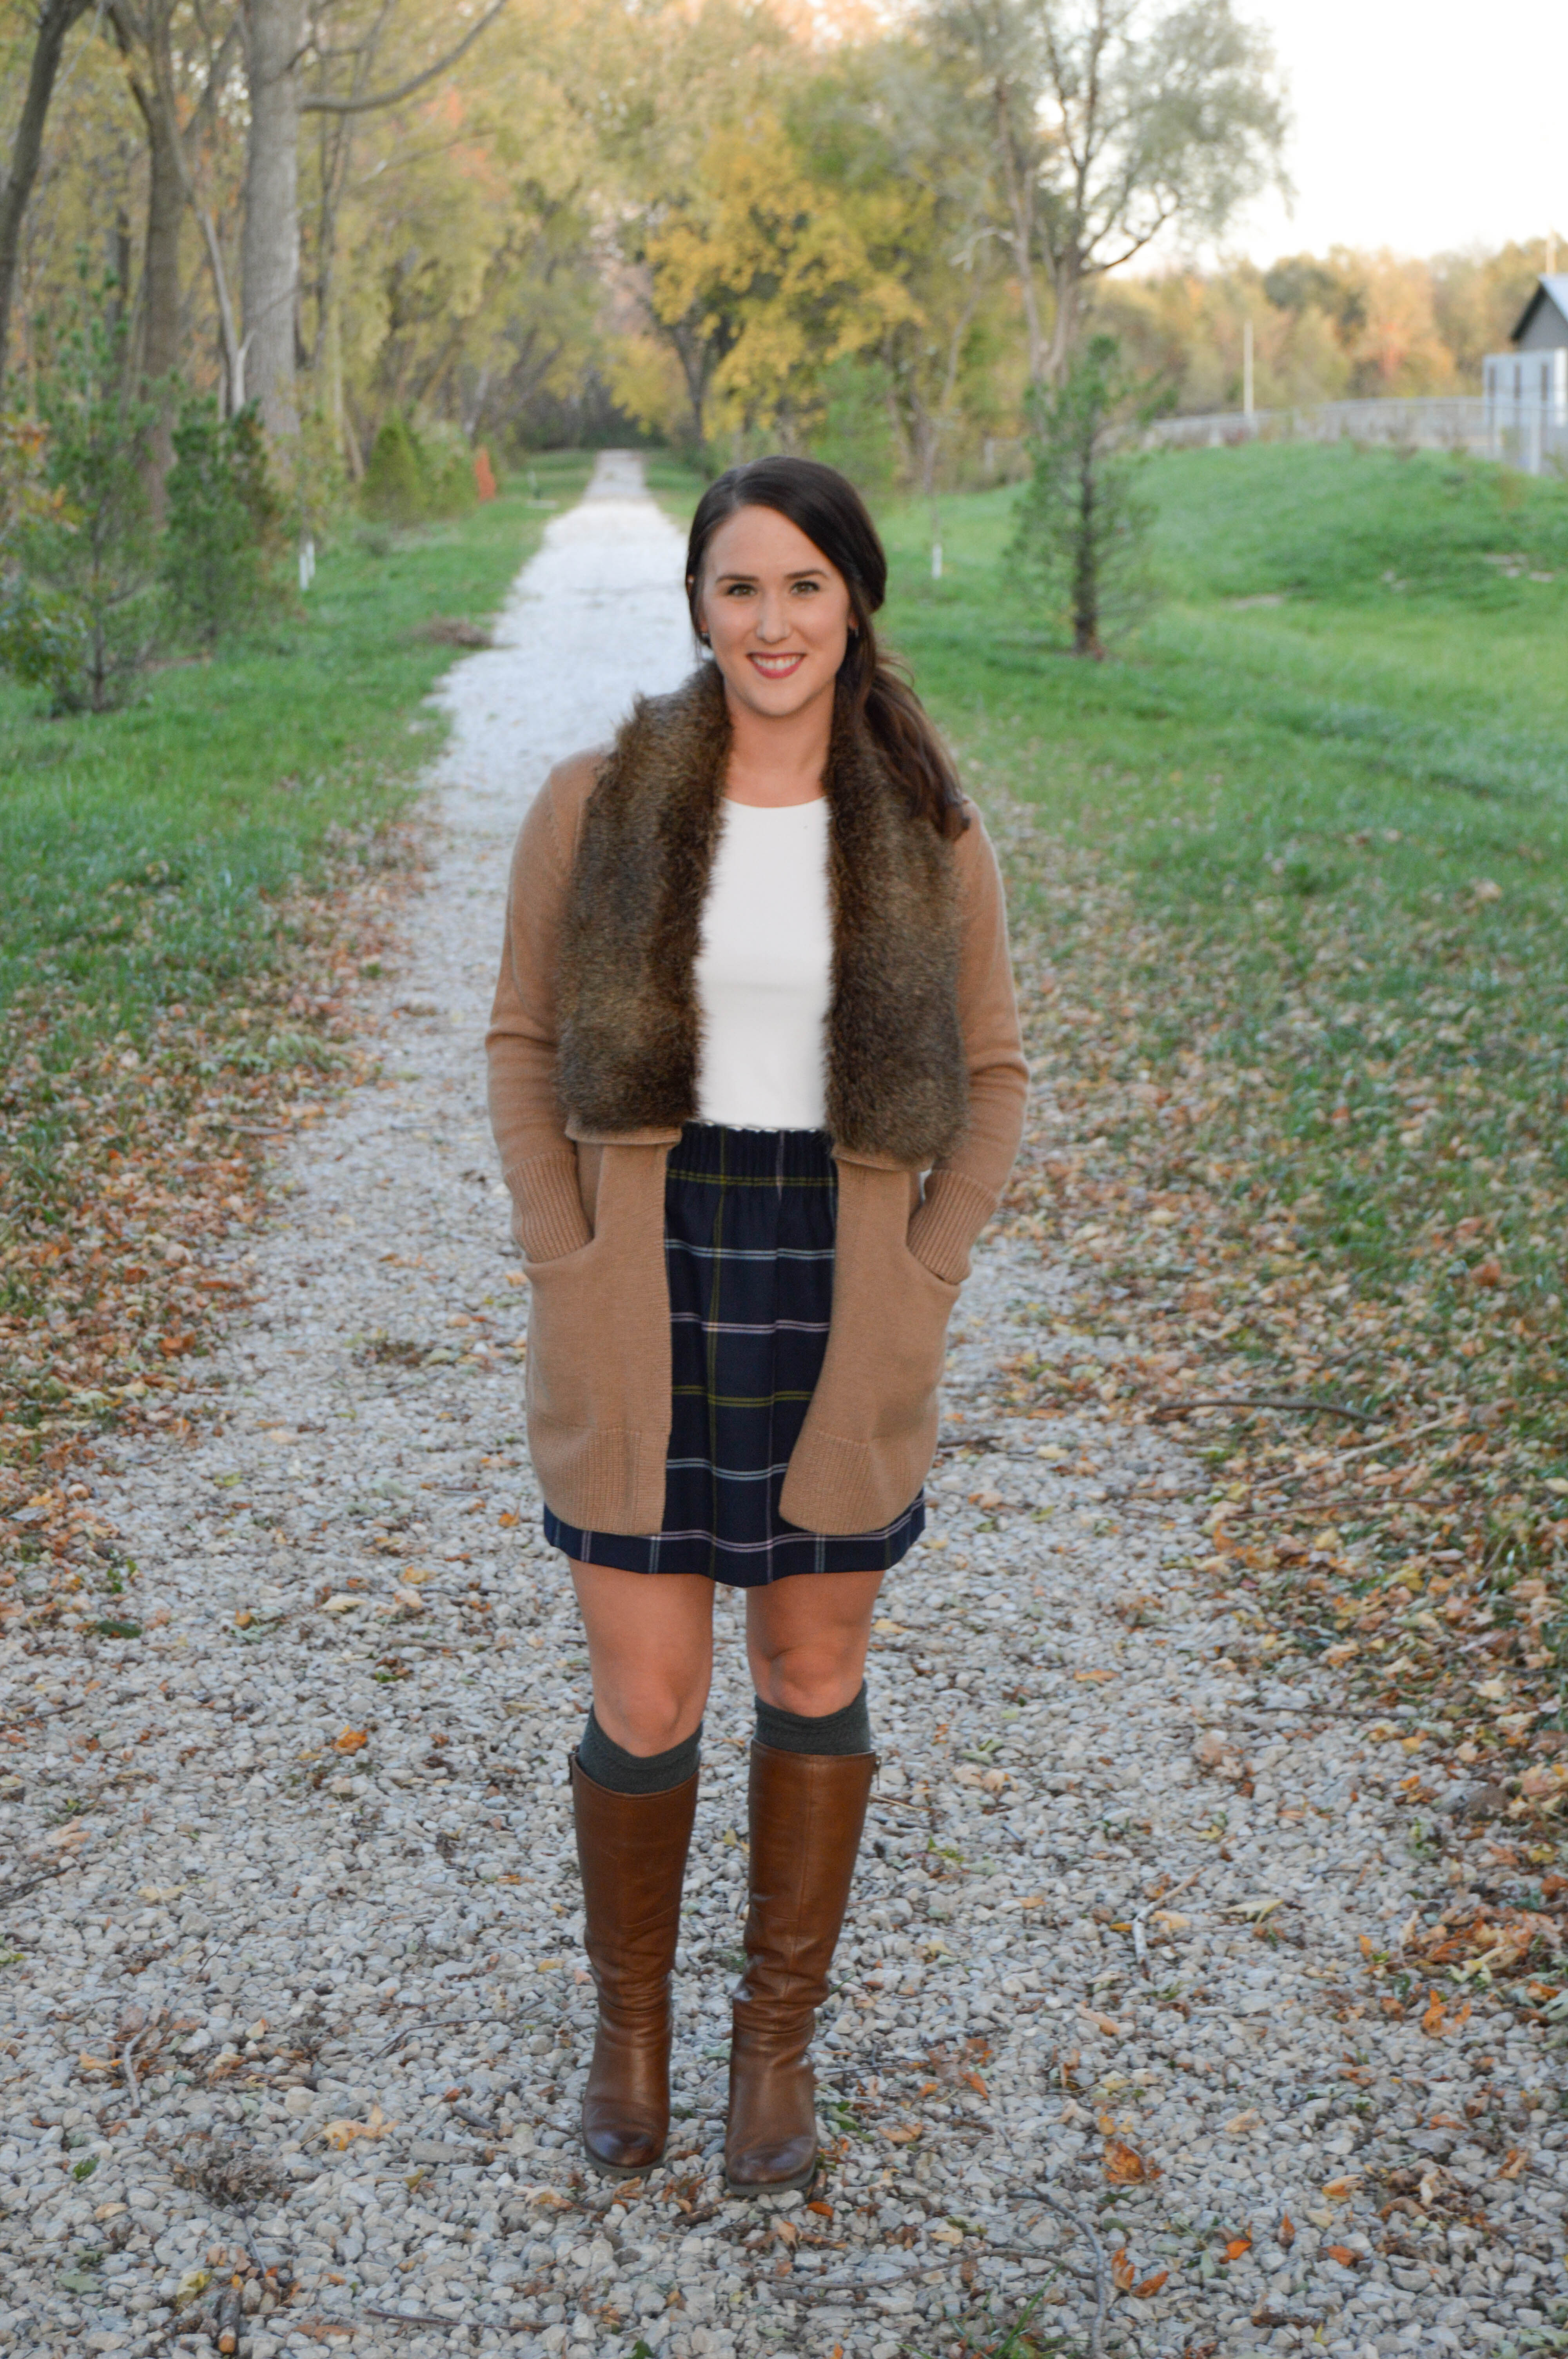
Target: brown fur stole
(630, 1025)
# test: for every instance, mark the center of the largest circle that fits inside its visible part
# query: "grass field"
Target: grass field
(140, 849)
(193, 888)
(1291, 915)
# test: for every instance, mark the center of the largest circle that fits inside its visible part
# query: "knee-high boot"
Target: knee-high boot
(806, 1813)
(632, 1850)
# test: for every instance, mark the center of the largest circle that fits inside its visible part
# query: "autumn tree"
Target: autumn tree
(895, 143)
(1111, 121)
(43, 53)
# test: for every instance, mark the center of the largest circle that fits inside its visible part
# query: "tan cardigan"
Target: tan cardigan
(588, 1213)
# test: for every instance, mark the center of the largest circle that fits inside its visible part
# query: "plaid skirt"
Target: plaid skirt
(750, 1217)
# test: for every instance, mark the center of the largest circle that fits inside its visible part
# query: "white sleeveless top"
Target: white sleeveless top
(765, 971)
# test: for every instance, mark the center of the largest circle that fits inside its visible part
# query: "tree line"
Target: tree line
(392, 233)
(337, 209)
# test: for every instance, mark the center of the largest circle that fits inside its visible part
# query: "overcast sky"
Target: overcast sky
(1420, 124)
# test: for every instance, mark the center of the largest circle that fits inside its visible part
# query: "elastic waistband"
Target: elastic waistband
(707, 1150)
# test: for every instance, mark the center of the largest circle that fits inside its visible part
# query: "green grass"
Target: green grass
(1225, 731)
(140, 849)
(1336, 822)
(1360, 794)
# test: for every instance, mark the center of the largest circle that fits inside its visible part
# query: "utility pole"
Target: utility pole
(1246, 404)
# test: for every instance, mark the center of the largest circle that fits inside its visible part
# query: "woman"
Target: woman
(756, 1081)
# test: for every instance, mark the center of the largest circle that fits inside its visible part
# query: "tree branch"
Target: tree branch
(320, 105)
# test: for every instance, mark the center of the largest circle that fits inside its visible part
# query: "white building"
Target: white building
(1527, 389)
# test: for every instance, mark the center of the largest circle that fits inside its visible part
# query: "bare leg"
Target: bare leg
(650, 1644)
(806, 1639)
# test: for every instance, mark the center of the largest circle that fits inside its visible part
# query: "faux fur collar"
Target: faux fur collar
(629, 1028)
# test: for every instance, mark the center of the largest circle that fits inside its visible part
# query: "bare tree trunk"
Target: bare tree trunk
(160, 284)
(1021, 209)
(269, 235)
(56, 18)
(1068, 279)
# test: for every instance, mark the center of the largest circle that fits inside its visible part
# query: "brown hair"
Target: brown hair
(826, 507)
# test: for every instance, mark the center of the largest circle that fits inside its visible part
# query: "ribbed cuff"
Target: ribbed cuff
(548, 1219)
(848, 1730)
(620, 1772)
(944, 1226)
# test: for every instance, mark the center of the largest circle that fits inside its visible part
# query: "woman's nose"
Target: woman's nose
(772, 623)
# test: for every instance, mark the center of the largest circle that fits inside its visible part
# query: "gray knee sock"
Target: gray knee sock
(848, 1729)
(611, 1766)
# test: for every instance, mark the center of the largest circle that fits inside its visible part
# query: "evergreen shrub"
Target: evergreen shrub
(223, 529)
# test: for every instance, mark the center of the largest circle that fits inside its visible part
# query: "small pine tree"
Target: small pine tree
(223, 522)
(92, 568)
(1082, 530)
(394, 487)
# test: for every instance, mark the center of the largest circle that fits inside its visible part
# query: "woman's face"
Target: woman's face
(776, 613)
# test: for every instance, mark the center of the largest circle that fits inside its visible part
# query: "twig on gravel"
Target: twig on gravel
(969, 1441)
(411, 2317)
(835, 2287)
(9, 1892)
(128, 2068)
(1168, 1409)
(456, 2023)
(1086, 2228)
(1412, 1433)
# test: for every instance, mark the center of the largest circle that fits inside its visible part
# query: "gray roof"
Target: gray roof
(1553, 290)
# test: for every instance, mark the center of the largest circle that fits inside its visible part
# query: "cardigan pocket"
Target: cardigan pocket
(566, 1316)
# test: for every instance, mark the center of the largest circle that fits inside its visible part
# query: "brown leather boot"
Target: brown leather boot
(632, 1850)
(808, 1811)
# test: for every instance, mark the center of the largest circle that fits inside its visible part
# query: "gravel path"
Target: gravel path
(306, 1999)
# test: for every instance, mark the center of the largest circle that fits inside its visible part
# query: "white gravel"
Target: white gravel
(272, 1933)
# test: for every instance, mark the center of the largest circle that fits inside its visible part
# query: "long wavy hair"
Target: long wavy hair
(826, 506)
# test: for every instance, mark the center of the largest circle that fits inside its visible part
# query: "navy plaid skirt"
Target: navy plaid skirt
(750, 1217)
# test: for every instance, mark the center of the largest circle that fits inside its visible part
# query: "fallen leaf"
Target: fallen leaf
(904, 2137)
(1171, 1920)
(1105, 2023)
(976, 2082)
(506, 1518)
(1518, 2156)
(1241, 2123)
(1125, 2167)
(1432, 2019)
(342, 2133)
(409, 1599)
(344, 1601)
(353, 1740)
(1096, 1676)
(1150, 2286)
(1237, 2246)
(1342, 2253)
(1340, 2190)
(1122, 2272)
(1286, 2235)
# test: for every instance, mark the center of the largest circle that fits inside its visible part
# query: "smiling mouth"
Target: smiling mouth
(777, 666)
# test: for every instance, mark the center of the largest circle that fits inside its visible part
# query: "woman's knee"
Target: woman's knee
(812, 1678)
(646, 1714)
